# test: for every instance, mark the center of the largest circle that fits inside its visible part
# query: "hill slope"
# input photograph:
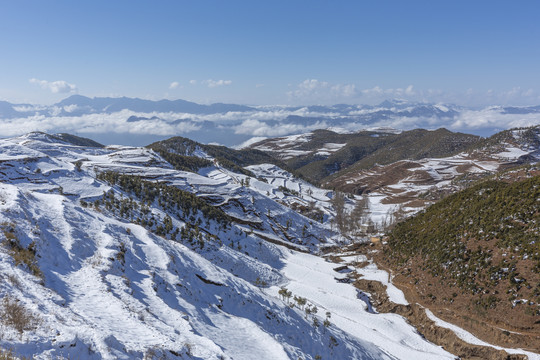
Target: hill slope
(476, 254)
(324, 155)
(113, 253)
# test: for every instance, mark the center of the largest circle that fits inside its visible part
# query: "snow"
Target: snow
(471, 339)
(250, 142)
(332, 146)
(94, 305)
(291, 146)
(314, 278)
(512, 153)
(372, 272)
(242, 339)
(113, 289)
(442, 107)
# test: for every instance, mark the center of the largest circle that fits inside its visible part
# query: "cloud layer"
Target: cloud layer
(234, 127)
(316, 90)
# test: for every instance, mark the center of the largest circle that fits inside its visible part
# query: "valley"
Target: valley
(185, 250)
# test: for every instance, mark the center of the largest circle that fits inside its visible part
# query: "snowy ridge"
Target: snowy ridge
(411, 185)
(111, 288)
(289, 147)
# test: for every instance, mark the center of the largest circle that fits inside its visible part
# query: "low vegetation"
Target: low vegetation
(367, 148)
(182, 162)
(25, 256)
(480, 245)
(234, 160)
(14, 314)
(195, 212)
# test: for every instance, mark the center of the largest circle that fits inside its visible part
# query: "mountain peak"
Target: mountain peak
(75, 100)
(390, 103)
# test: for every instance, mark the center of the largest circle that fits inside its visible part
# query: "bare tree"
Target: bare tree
(338, 202)
(358, 214)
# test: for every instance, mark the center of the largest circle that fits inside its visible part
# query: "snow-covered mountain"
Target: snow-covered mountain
(417, 182)
(402, 171)
(110, 252)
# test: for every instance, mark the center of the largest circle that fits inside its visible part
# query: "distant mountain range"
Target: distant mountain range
(82, 105)
(133, 121)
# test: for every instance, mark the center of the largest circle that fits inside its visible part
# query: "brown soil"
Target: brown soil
(494, 332)
(375, 178)
(415, 314)
(502, 325)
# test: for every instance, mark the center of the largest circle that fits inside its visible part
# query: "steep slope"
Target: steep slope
(232, 159)
(475, 255)
(113, 253)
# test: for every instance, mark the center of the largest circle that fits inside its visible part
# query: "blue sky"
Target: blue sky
(272, 52)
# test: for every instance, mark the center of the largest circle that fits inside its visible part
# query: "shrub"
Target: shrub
(17, 316)
(20, 254)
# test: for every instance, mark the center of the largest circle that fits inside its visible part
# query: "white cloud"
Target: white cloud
(100, 124)
(70, 108)
(515, 96)
(312, 84)
(316, 90)
(309, 88)
(259, 128)
(493, 118)
(193, 82)
(174, 85)
(347, 90)
(268, 121)
(215, 83)
(517, 93)
(55, 87)
(378, 91)
(375, 90)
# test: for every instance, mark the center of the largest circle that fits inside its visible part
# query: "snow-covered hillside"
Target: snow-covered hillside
(417, 183)
(412, 182)
(102, 260)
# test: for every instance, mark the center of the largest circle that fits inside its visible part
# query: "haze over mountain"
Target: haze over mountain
(133, 121)
(270, 180)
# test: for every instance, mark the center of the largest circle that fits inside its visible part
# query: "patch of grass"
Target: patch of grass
(19, 253)
(15, 315)
(7, 355)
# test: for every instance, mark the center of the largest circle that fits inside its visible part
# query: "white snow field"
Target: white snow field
(314, 278)
(112, 289)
